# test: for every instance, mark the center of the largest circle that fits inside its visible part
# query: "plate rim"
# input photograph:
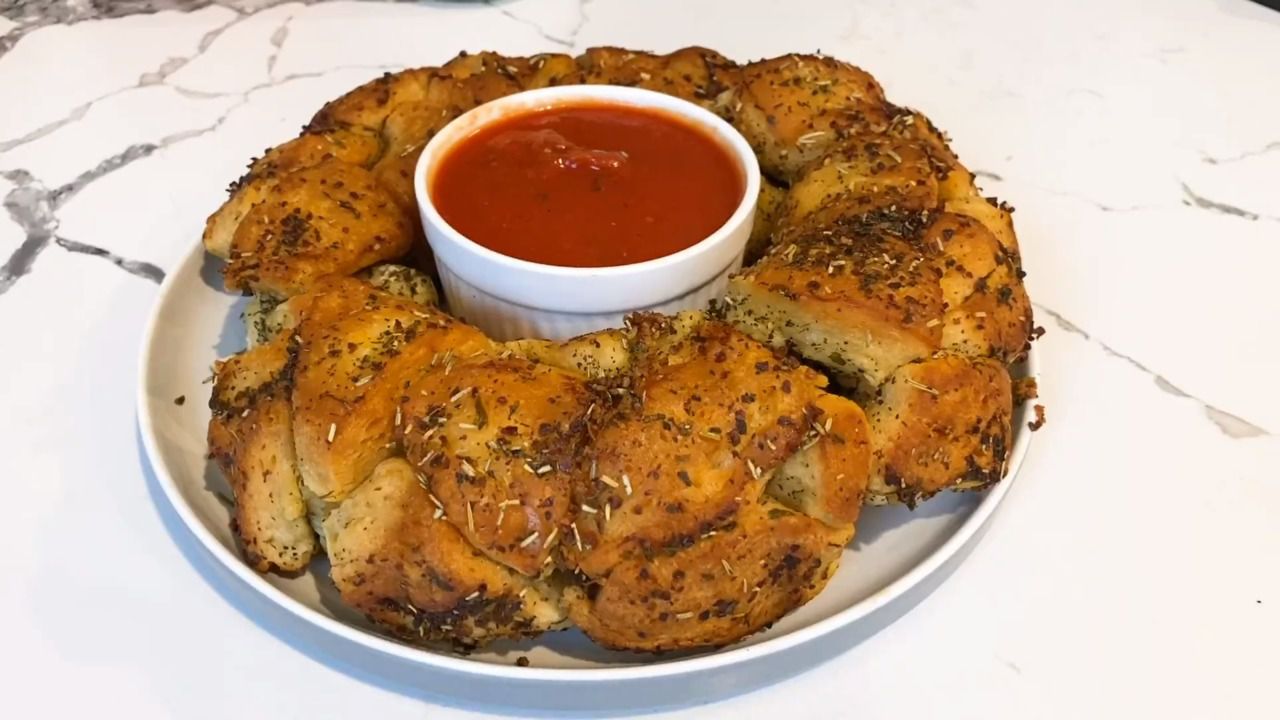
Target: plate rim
(724, 657)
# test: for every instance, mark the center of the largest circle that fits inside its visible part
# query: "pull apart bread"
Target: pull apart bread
(671, 484)
(677, 483)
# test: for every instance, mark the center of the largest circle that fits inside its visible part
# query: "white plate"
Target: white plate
(194, 322)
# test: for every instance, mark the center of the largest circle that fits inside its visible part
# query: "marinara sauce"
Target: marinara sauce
(588, 185)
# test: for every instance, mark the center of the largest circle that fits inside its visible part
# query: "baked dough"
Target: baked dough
(677, 483)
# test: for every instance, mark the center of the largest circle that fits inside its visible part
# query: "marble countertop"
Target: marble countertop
(1133, 571)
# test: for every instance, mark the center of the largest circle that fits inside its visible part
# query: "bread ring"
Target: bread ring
(678, 483)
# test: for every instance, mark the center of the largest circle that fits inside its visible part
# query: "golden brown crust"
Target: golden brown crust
(877, 299)
(330, 219)
(595, 356)
(358, 349)
(511, 464)
(994, 215)
(864, 174)
(966, 253)
(994, 321)
(856, 296)
(940, 423)
(908, 124)
(794, 108)
(368, 105)
(499, 441)
(706, 416)
(395, 559)
(695, 74)
(549, 70)
(407, 130)
(827, 478)
(251, 440)
(769, 210)
(354, 146)
(716, 591)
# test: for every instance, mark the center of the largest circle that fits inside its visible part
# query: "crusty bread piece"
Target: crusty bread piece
(408, 568)
(251, 440)
(499, 442)
(794, 108)
(942, 423)
(356, 146)
(467, 80)
(402, 281)
(995, 216)
(908, 124)
(966, 253)
(267, 317)
(595, 356)
(394, 172)
(606, 354)
(716, 589)
(483, 76)
(333, 218)
(406, 132)
(988, 311)
(769, 210)
(994, 321)
(857, 297)
(861, 175)
(827, 478)
(367, 106)
(358, 350)
(705, 418)
(549, 70)
(864, 294)
(352, 145)
(877, 300)
(695, 74)
(411, 124)
(221, 226)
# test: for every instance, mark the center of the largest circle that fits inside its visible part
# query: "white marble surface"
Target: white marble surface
(1134, 570)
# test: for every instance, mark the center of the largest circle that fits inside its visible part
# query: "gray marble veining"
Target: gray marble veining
(32, 14)
(46, 12)
(34, 208)
(1232, 426)
(1140, 148)
(1194, 199)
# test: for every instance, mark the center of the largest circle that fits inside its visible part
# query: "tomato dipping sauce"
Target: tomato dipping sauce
(588, 185)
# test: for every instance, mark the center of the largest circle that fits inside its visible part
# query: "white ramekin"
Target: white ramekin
(510, 298)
